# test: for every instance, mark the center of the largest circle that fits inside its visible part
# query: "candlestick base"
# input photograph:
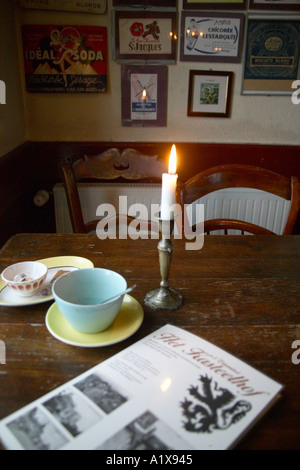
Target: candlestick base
(163, 298)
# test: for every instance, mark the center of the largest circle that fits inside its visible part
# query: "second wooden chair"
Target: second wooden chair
(111, 165)
(242, 176)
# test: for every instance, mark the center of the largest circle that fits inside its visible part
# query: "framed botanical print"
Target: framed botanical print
(209, 93)
(145, 36)
(144, 95)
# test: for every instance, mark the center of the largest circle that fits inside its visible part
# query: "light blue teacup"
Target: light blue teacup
(80, 296)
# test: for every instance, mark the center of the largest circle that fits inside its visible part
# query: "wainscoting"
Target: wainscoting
(35, 166)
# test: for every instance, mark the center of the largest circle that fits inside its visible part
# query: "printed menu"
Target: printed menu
(171, 390)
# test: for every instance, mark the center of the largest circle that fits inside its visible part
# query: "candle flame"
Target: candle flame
(144, 94)
(172, 161)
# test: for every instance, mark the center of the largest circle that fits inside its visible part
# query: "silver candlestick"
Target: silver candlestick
(164, 297)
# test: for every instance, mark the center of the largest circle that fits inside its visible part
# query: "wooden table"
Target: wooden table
(241, 293)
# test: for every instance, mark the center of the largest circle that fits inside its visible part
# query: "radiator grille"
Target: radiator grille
(93, 194)
(254, 206)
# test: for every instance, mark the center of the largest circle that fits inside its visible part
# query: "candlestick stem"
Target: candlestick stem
(164, 297)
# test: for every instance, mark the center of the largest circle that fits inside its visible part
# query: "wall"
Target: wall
(12, 115)
(38, 131)
(97, 117)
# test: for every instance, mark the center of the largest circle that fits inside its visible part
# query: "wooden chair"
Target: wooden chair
(242, 176)
(111, 165)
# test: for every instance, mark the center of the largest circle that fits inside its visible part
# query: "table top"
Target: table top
(240, 293)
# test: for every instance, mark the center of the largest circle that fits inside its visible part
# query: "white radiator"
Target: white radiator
(254, 206)
(93, 194)
(257, 207)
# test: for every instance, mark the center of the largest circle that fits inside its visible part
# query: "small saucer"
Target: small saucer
(8, 298)
(127, 322)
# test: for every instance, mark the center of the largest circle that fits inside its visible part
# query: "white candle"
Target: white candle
(169, 182)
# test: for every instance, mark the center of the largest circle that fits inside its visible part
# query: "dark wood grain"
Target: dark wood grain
(241, 293)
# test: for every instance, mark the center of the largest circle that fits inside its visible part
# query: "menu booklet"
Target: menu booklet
(171, 390)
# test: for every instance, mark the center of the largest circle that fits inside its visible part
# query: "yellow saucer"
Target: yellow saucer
(127, 322)
(8, 298)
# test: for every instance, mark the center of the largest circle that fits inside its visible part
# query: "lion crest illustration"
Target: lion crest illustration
(210, 407)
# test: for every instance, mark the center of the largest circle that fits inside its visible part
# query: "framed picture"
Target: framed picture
(65, 59)
(271, 55)
(287, 5)
(145, 3)
(209, 93)
(215, 4)
(144, 95)
(211, 37)
(145, 36)
(96, 6)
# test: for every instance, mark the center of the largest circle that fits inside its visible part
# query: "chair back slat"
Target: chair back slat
(242, 176)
